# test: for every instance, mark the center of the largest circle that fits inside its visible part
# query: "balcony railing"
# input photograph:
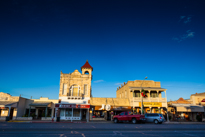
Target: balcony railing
(157, 99)
(79, 96)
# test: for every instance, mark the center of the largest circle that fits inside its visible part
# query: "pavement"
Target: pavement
(41, 121)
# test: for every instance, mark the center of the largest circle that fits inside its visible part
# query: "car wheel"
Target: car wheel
(115, 120)
(134, 121)
(156, 121)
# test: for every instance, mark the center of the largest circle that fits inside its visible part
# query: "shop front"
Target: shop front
(72, 111)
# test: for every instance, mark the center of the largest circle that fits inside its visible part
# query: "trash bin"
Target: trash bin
(7, 118)
(58, 119)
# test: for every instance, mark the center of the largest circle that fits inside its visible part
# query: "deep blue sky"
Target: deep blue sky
(123, 40)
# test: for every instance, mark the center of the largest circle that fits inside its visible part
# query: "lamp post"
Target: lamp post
(142, 97)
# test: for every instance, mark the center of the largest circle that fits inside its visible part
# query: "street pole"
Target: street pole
(142, 97)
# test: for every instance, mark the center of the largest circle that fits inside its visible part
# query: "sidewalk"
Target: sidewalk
(175, 122)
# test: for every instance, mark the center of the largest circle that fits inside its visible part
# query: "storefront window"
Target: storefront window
(62, 112)
(76, 112)
(98, 114)
(68, 112)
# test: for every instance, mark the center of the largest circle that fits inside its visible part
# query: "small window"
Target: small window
(86, 72)
(121, 114)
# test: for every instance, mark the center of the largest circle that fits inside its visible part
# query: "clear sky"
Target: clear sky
(122, 40)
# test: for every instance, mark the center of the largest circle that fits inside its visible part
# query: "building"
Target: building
(154, 102)
(11, 106)
(188, 110)
(74, 94)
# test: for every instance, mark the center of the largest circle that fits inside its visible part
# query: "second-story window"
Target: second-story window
(85, 89)
(75, 90)
(64, 89)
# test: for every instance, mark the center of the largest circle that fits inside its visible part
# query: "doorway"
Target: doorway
(11, 113)
(84, 114)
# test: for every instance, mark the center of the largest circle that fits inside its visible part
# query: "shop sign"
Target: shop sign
(151, 104)
(121, 108)
(203, 100)
(71, 106)
(2, 107)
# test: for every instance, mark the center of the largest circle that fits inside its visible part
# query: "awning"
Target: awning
(40, 104)
(188, 108)
(8, 104)
(147, 88)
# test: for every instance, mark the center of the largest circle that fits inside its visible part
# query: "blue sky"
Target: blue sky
(122, 40)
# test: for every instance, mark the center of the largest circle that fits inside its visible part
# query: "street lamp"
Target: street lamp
(142, 97)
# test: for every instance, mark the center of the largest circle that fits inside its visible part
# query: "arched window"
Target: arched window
(86, 72)
(74, 90)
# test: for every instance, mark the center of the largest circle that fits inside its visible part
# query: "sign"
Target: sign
(71, 106)
(203, 100)
(121, 108)
(151, 104)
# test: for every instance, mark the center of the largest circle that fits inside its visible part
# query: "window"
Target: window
(75, 90)
(126, 113)
(68, 112)
(153, 95)
(86, 72)
(85, 89)
(62, 112)
(64, 89)
(76, 112)
(98, 114)
(121, 114)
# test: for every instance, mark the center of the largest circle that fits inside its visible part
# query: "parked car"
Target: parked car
(128, 116)
(154, 117)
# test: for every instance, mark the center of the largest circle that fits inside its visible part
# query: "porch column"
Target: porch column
(159, 110)
(158, 95)
(87, 115)
(29, 111)
(46, 112)
(149, 95)
(166, 106)
(36, 113)
(52, 110)
(72, 116)
(9, 111)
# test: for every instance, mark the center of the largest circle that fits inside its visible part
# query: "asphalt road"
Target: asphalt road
(99, 130)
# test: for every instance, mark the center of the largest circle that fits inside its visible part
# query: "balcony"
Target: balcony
(157, 99)
(80, 96)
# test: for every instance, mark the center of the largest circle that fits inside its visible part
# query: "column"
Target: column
(46, 112)
(149, 95)
(159, 110)
(9, 111)
(52, 110)
(166, 106)
(150, 111)
(36, 113)
(87, 115)
(29, 111)
(158, 95)
(72, 116)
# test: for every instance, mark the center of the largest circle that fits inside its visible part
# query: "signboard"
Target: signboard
(71, 106)
(151, 104)
(203, 100)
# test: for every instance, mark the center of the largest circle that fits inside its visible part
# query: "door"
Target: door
(108, 115)
(84, 114)
(11, 113)
(125, 116)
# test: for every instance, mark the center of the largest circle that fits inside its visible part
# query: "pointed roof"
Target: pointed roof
(87, 65)
(181, 101)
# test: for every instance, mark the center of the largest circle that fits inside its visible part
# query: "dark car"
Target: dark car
(154, 117)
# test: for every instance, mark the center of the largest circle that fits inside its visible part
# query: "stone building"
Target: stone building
(192, 109)
(74, 94)
(154, 102)
(11, 106)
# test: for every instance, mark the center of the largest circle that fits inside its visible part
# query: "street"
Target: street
(99, 129)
